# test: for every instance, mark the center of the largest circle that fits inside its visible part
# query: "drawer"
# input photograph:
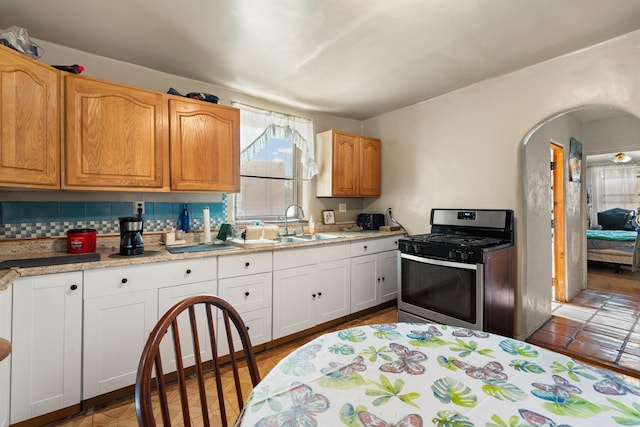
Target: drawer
(246, 293)
(258, 325)
(372, 246)
(110, 281)
(243, 264)
(290, 258)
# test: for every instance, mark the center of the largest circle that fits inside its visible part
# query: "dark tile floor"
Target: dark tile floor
(599, 327)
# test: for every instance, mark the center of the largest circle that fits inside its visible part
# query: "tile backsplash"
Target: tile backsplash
(28, 220)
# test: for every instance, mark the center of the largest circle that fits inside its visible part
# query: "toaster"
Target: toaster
(370, 221)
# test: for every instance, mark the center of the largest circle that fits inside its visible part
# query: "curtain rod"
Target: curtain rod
(264, 109)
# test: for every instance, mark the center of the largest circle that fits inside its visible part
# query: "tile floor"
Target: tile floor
(596, 326)
(123, 412)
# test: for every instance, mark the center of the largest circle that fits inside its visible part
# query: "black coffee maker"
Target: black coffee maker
(131, 242)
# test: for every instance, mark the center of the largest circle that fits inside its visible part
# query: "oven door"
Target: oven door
(446, 292)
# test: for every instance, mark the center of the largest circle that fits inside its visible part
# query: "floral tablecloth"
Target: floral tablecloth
(429, 374)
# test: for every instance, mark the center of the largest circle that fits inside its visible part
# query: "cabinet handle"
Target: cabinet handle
(246, 294)
(247, 327)
(378, 279)
(188, 271)
(74, 287)
(247, 264)
(365, 247)
(314, 296)
(319, 294)
(124, 280)
(383, 278)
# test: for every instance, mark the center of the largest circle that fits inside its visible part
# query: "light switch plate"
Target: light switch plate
(342, 207)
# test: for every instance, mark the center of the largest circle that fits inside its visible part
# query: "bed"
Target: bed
(615, 242)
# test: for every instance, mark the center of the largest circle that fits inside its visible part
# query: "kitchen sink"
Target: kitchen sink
(311, 237)
(304, 238)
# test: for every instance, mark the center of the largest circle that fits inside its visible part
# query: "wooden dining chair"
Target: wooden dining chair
(170, 399)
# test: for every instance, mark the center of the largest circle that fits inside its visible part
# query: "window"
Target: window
(276, 151)
(269, 182)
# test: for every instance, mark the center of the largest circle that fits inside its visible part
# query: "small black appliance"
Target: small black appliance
(370, 221)
(131, 241)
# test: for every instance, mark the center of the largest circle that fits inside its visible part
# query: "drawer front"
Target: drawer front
(111, 281)
(247, 293)
(258, 325)
(243, 264)
(372, 246)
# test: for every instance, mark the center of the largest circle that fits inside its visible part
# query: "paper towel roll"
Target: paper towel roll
(206, 224)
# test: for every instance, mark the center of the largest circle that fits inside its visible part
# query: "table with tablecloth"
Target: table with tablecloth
(405, 374)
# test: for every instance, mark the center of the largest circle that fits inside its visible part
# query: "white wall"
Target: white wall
(611, 135)
(465, 149)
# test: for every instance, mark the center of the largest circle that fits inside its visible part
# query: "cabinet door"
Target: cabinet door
(369, 167)
(30, 124)
(365, 287)
(167, 298)
(205, 146)
(116, 328)
(293, 301)
(333, 294)
(346, 165)
(389, 275)
(47, 340)
(5, 365)
(116, 137)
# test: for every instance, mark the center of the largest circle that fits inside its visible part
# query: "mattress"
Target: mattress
(610, 239)
(620, 255)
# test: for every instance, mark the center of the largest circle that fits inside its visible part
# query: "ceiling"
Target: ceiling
(356, 58)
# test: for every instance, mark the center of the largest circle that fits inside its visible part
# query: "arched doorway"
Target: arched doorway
(583, 125)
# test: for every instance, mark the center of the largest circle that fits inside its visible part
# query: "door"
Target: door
(333, 290)
(47, 343)
(365, 287)
(558, 279)
(389, 276)
(293, 301)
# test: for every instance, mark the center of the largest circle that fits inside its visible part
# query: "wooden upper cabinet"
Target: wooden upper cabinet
(369, 167)
(116, 137)
(205, 146)
(349, 165)
(29, 122)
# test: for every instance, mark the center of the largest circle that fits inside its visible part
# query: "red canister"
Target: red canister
(81, 241)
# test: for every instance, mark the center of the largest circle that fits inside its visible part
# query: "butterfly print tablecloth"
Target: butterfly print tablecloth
(434, 375)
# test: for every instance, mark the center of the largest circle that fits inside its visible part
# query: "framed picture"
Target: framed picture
(328, 217)
(575, 160)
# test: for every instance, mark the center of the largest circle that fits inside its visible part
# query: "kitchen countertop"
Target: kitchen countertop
(154, 252)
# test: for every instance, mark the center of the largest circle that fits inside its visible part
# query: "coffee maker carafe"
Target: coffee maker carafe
(131, 242)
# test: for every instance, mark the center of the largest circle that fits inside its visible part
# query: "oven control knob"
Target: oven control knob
(464, 256)
(452, 254)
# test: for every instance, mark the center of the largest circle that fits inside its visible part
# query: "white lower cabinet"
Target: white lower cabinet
(245, 282)
(374, 272)
(307, 295)
(121, 307)
(47, 344)
(5, 365)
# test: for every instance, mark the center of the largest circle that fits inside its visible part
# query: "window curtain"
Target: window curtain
(613, 187)
(257, 126)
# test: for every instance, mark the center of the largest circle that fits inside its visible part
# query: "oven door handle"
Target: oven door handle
(439, 262)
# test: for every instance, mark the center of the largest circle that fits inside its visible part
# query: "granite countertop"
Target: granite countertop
(107, 249)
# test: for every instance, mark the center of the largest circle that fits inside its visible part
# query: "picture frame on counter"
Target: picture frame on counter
(328, 217)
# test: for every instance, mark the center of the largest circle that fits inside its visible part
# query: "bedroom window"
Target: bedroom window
(276, 155)
(611, 187)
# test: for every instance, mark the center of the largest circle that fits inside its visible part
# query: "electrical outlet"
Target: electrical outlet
(136, 204)
(342, 207)
(390, 210)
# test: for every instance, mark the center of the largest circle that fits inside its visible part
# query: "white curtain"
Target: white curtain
(613, 187)
(257, 126)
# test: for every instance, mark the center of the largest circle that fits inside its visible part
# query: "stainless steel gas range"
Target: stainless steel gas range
(462, 273)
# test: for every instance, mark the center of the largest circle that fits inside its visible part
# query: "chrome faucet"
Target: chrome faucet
(286, 218)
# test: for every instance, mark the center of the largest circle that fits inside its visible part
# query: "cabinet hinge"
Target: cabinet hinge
(552, 166)
(553, 223)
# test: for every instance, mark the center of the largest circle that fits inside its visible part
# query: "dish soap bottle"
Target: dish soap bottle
(184, 219)
(312, 225)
